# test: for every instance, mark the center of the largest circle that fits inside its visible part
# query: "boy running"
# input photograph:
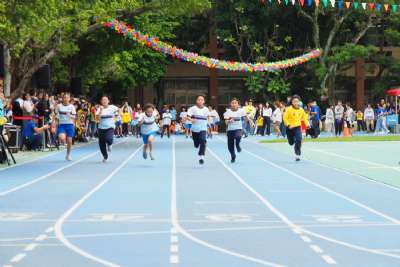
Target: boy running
(199, 115)
(293, 117)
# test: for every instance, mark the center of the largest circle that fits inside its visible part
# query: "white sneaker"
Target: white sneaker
(68, 158)
(151, 156)
(104, 161)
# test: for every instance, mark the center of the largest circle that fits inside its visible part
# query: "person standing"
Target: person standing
(360, 121)
(277, 118)
(199, 115)
(349, 118)
(315, 113)
(369, 118)
(250, 112)
(266, 114)
(293, 118)
(339, 115)
(330, 121)
(66, 115)
(166, 123)
(106, 114)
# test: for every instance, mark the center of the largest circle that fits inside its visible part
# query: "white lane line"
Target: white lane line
(181, 230)
(174, 239)
(174, 231)
(174, 249)
(174, 259)
(59, 224)
(7, 266)
(296, 231)
(41, 178)
(355, 159)
(30, 247)
(41, 238)
(328, 259)
(18, 257)
(339, 170)
(291, 223)
(326, 189)
(305, 239)
(49, 230)
(316, 249)
(42, 157)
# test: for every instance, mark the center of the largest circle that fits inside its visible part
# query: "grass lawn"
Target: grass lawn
(342, 139)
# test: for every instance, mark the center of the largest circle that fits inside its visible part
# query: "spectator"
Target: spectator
(369, 118)
(330, 121)
(315, 115)
(266, 114)
(381, 113)
(32, 134)
(250, 112)
(277, 118)
(349, 117)
(360, 121)
(282, 107)
(339, 115)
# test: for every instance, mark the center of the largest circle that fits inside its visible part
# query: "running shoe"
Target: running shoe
(233, 160)
(68, 158)
(109, 148)
(144, 154)
(151, 156)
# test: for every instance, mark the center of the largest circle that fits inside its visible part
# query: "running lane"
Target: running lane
(221, 223)
(328, 206)
(27, 216)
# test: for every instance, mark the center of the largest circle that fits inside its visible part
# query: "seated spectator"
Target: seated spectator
(32, 134)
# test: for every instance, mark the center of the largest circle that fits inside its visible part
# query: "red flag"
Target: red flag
(371, 5)
(302, 2)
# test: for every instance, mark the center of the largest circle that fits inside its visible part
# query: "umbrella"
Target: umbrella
(396, 93)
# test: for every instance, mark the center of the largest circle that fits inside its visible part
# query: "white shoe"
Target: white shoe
(151, 156)
(68, 158)
(104, 161)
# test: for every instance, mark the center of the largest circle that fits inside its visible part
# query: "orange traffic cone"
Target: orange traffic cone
(346, 131)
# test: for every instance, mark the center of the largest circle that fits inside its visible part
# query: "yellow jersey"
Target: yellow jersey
(293, 117)
(126, 117)
(360, 116)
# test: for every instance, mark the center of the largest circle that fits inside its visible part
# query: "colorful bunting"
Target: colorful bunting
(355, 4)
(167, 49)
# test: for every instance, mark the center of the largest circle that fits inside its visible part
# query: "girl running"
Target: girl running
(293, 118)
(66, 115)
(166, 123)
(234, 120)
(199, 115)
(149, 129)
(106, 116)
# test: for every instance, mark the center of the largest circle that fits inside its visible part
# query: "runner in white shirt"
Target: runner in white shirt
(199, 115)
(234, 118)
(166, 123)
(148, 128)
(106, 116)
(66, 115)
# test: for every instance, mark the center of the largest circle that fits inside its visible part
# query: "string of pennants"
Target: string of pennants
(339, 4)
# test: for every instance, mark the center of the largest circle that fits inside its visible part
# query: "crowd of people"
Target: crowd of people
(61, 120)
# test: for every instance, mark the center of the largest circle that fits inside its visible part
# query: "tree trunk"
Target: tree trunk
(26, 78)
(7, 71)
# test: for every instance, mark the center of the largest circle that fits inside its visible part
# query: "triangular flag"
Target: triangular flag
(309, 2)
(316, 2)
(279, 1)
(301, 2)
(347, 4)
(355, 5)
(371, 5)
(378, 6)
(333, 3)
(286, 2)
(340, 4)
(270, 1)
(386, 6)
(394, 8)
(293, 2)
(325, 3)
(364, 5)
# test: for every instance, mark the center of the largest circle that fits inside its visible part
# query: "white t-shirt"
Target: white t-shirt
(167, 118)
(339, 112)
(369, 114)
(238, 116)
(267, 112)
(184, 119)
(215, 116)
(200, 115)
(65, 114)
(277, 115)
(330, 116)
(149, 124)
(107, 117)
